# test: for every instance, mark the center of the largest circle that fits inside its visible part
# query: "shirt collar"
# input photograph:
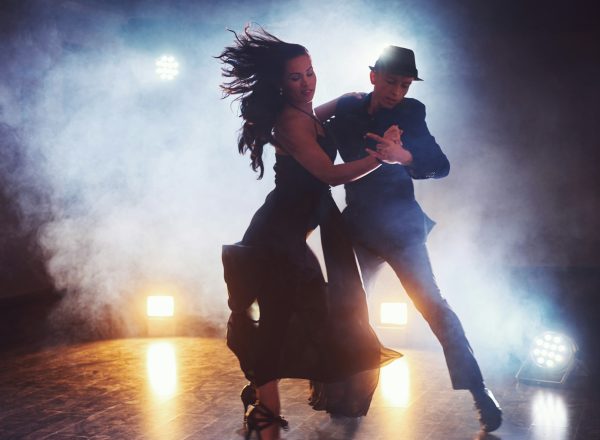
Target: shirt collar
(381, 111)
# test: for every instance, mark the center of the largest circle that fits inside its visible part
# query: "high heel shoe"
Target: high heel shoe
(259, 417)
(248, 396)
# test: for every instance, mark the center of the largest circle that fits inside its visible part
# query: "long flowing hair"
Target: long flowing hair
(256, 63)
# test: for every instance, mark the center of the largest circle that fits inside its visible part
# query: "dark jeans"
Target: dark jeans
(413, 268)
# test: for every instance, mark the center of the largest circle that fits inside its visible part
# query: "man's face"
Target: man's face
(388, 88)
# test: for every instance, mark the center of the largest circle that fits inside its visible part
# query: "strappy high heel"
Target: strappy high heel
(248, 396)
(259, 417)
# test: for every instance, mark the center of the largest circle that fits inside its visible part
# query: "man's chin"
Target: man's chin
(389, 104)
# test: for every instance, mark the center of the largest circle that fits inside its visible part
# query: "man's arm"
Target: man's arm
(328, 109)
(428, 159)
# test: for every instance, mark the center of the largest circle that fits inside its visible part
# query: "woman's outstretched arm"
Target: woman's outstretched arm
(296, 134)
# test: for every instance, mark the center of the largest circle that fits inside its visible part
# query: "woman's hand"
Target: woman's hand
(389, 147)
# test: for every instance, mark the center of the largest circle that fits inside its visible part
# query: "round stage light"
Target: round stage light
(167, 67)
(553, 350)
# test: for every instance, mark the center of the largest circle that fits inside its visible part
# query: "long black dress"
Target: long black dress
(307, 328)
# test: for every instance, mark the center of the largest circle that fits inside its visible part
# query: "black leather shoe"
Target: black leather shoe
(490, 413)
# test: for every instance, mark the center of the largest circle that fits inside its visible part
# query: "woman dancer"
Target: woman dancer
(307, 329)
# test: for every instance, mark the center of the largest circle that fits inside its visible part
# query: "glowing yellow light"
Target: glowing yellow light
(394, 382)
(394, 313)
(160, 306)
(162, 369)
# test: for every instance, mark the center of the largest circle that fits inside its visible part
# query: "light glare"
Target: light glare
(162, 369)
(167, 67)
(160, 306)
(394, 382)
(552, 350)
(394, 313)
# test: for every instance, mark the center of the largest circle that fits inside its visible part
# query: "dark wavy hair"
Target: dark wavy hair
(256, 63)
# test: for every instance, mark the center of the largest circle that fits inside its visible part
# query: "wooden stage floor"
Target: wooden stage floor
(188, 388)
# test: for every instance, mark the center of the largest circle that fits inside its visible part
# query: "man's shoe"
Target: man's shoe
(490, 413)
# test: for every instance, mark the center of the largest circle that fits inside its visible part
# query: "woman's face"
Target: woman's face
(299, 80)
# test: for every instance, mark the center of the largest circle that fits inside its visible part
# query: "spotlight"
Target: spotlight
(160, 310)
(160, 306)
(393, 314)
(550, 361)
(167, 67)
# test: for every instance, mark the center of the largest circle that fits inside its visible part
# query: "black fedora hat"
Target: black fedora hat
(397, 60)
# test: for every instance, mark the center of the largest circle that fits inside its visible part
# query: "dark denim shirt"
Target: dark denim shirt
(386, 195)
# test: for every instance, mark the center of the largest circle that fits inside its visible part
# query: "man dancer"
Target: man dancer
(385, 221)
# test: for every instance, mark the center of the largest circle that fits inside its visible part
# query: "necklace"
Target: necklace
(312, 116)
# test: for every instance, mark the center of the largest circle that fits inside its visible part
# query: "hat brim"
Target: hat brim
(415, 78)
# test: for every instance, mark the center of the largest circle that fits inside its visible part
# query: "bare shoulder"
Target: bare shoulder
(293, 126)
(293, 120)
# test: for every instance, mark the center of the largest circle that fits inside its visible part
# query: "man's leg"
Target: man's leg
(370, 264)
(413, 267)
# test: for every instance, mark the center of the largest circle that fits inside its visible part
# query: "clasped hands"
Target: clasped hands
(389, 147)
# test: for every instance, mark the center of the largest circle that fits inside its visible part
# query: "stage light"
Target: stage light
(160, 306)
(551, 359)
(167, 67)
(160, 311)
(393, 314)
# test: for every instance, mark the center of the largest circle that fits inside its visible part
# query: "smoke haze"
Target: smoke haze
(138, 182)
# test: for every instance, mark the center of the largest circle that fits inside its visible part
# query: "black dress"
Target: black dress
(307, 328)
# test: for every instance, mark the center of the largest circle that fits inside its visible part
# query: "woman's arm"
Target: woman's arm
(295, 132)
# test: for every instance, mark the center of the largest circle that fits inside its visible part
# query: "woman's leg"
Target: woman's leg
(268, 395)
(274, 319)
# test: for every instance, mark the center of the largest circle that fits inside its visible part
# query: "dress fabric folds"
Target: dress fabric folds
(308, 328)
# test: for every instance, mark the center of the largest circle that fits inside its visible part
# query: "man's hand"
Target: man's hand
(389, 147)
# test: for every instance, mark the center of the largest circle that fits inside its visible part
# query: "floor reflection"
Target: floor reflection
(549, 409)
(161, 365)
(189, 388)
(394, 383)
